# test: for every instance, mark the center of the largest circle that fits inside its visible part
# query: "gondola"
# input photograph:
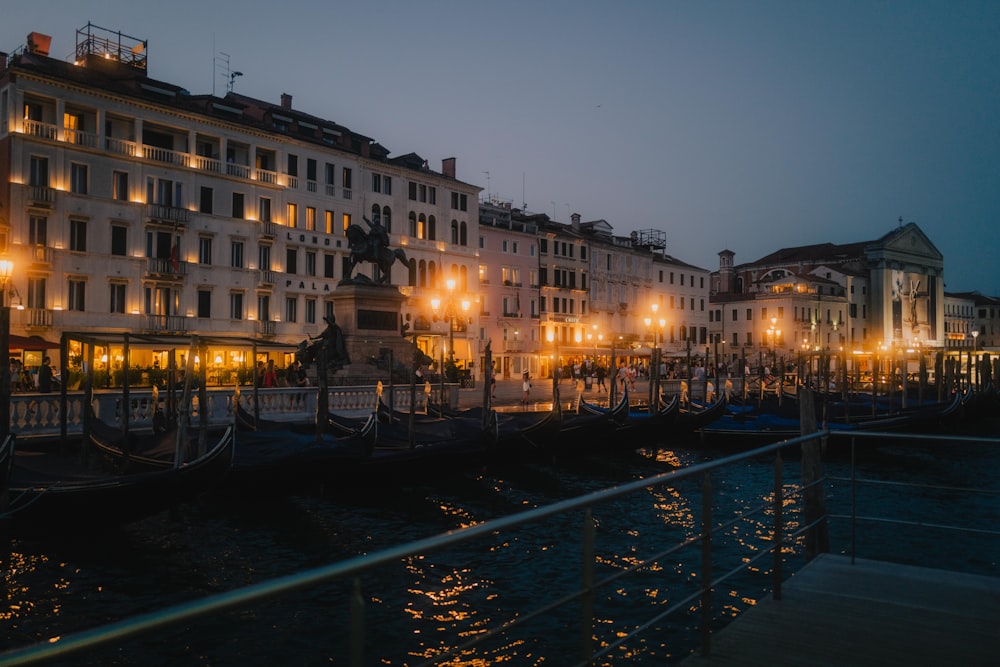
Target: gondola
(52, 495)
(639, 422)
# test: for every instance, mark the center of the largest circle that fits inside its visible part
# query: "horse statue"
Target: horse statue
(373, 246)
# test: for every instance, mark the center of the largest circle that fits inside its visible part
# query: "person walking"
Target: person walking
(525, 387)
(45, 376)
(600, 378)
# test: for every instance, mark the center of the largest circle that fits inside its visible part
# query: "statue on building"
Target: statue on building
(372, 246)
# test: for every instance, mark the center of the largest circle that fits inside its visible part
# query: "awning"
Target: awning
(30, 343)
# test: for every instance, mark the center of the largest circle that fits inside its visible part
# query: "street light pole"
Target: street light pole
(6, 274)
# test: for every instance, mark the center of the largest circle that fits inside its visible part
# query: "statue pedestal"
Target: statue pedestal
(369, 316)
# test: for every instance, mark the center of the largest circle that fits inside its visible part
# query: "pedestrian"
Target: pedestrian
(270, 375)
(493, 381)
(259, 375)
(600, 378)
(525, 387)
(45, 376)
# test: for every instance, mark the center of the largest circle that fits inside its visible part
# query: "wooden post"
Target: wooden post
(817, 537)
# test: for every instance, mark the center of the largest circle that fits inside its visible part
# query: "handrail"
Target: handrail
(352, 568)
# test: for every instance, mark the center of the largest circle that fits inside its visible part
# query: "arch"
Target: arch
(413, 224)
(412, 279)
(432, 228)
(463, 233)
(376, 213)
(454, 232)
(464, 280)
(432, 275)
(423, 273)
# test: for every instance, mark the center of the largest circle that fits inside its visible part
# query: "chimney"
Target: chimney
(575, 218)
(448, 167)
(39, 43)
(286, 101)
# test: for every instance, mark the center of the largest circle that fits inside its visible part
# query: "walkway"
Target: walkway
(871, 613)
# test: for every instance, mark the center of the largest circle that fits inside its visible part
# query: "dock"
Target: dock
(869, 613)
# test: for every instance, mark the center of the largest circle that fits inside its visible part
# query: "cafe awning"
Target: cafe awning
(30, 343)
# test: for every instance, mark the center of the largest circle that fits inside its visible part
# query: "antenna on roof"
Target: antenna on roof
(222, 68)
(489, 195)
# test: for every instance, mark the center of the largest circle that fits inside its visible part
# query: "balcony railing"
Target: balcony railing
(311, 186)
(168, 214)
(39, 317)
(80, 138)
(164, 155)
(291, 182)
(267, 229)
(203, 163)
(265, 327)
(166, 323)
(41, 195)
(331, 190)
(120, 146)
(347, 193)
(265, 176)
(37, 128)
(238, 170)
(40, 254)
(166, 267)
(265, 277)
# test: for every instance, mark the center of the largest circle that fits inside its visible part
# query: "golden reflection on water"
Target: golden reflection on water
(22, 601)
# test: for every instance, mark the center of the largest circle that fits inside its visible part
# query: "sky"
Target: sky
(747, 126)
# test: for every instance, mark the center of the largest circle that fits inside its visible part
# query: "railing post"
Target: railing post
(854, 501)
(706, 566)
(779, 497)
(587, 618)
(357, 638)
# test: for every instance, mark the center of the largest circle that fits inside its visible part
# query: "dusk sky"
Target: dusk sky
(749, 126)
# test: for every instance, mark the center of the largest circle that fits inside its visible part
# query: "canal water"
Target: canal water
(427, 604)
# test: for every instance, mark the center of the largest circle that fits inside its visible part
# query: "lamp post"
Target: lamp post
(450, 312)
(6, 273)
(975, 335)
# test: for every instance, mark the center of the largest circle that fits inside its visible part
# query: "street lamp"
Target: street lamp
(450, 311)
(774, 333)
(6, 273)
(975, 335)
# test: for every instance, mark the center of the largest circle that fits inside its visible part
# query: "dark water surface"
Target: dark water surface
(424, 604)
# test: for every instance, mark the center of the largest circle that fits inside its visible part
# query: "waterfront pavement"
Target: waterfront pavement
(509, 394)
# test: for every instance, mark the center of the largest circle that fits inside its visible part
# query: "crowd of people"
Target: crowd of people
(28, 378)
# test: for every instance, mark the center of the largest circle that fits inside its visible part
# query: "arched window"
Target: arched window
(432, 275)
(387, 219)
(464, 273)
(413, 272)
(376, 213)
(432, 228)
(463, 234)
(413, 224)
(423, 273)
(421, 227)
(454, 232)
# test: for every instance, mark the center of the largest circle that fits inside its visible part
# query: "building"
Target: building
(129, 204)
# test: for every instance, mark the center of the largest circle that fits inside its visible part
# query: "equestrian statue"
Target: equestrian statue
(372, 246)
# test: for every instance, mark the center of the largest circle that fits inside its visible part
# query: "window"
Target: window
(119, 240)
(163, 192)
(116, 298)
(264, 209)
(264, 257)
(330, 173)
(293, 215)
(205, 201)
(291, 309)
(39, 175)
(77, 295)
(204, 303)
(37, 230)
(236, 254)
(330, 217)
(36, 292)
(236, 305)
(291, 261)
(293, 165)
(310, 169)
(749, 314)
(263, 307)
(78, 235)
(310, 263)
(238, 206)
(310, 218)
(78, 178)
(328, 264)
(119, 185)
(205, 250)
(347, 176)
(310, 311)
(347, 221)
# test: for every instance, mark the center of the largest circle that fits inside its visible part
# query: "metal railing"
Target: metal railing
(786, 529)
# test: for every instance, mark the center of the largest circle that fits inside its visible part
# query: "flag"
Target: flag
(517, 303)
(175, 256)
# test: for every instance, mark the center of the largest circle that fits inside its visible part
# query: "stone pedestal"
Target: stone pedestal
(369, 316)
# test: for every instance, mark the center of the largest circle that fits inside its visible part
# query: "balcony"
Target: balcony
(164, 155)
(238, 170)
(40, 254)
(167, 214)
(265, 278)
(41, 195)
(513, 346)
(38, 318)
(80, 138)
(202, 163)
(265, 176)
(165, 267)
(347, 193)
(265, 327)
(292, 182)
(166, 323)
(267, 230)
(37, 128)
(120, 146)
